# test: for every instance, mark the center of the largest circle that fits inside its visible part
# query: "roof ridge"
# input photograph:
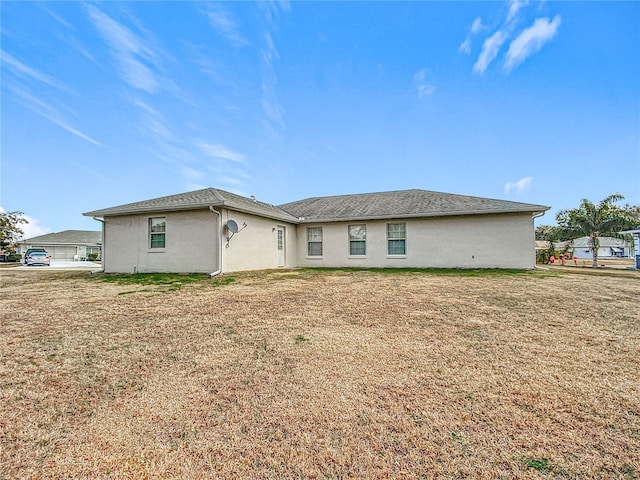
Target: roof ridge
(201, 198)
(390, 204)
(216, 192)
(420, 190)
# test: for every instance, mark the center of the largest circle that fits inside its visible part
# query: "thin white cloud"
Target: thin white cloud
(274, 111)
(273, 9)
(530, 41)
(224, 24)
(24, 71)
(210, 67)
(424, 87)
(271, 107)
(269, 51)
(69, 35)
(526, 42)
(465, 47)
(34, 103)
(218, 151)
(74, 131)
(490, 49)
(58, 18)
(476, 26)
(518, 187)
(514, 7)
(154, 122)
(50, 113)
(132, 54)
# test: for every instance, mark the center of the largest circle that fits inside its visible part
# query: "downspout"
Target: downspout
(535, 257)
(219, 242)
(102, 246)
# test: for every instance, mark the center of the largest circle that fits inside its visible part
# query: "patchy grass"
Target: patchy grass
(462, 272)
(153, 278)
(164, 282)
(413, 374)
(540, 464)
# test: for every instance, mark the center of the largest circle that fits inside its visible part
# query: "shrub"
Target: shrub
(543, 256)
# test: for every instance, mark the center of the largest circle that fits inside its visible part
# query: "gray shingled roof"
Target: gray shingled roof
(68, 237)
(584, 242)
(198, 199)
(366, 206)
(400, 204)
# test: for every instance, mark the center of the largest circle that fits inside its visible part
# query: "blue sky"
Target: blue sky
(105, 103)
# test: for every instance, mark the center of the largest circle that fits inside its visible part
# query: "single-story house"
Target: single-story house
(610, 247)
(541, 245)
(67, 245)
(215, 231)
(635, 235)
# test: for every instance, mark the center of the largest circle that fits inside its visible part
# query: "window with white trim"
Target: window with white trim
(357, 240)
(314, 241)
(396, 238)
(157, 232)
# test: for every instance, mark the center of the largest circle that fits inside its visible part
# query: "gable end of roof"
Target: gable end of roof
(199, 199)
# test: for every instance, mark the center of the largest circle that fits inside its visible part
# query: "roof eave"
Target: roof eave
(199, 206)
(151, 209)
(421, 215)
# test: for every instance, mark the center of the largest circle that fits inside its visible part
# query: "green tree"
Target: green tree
(606, 219)
(10, 231)
(549, 233)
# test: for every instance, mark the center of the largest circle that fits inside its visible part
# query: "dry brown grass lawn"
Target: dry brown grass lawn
(310, 374)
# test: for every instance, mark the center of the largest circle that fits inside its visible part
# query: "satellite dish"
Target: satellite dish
(232, 226)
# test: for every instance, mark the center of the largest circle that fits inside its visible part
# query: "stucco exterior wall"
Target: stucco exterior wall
(192, 239)
(256, 246)
(478, 241)
(196, 241)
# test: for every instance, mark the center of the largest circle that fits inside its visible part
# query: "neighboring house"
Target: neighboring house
(67, 245)
(542, 245)
(635, 234)
(214, 231)
(609, 248)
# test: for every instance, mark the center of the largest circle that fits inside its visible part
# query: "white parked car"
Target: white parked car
(38, 258)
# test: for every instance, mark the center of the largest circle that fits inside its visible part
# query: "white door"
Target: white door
(281, 250)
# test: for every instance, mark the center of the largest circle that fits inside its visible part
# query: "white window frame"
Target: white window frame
(395, 239)
(157, 234)
(314, 239)
(353, 240)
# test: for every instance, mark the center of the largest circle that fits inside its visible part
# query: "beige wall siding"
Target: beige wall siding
(191, 243)
(479, 241)
(196, 241)
(255, 247)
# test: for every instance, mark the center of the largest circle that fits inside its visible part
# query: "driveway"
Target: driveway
(63, 266)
